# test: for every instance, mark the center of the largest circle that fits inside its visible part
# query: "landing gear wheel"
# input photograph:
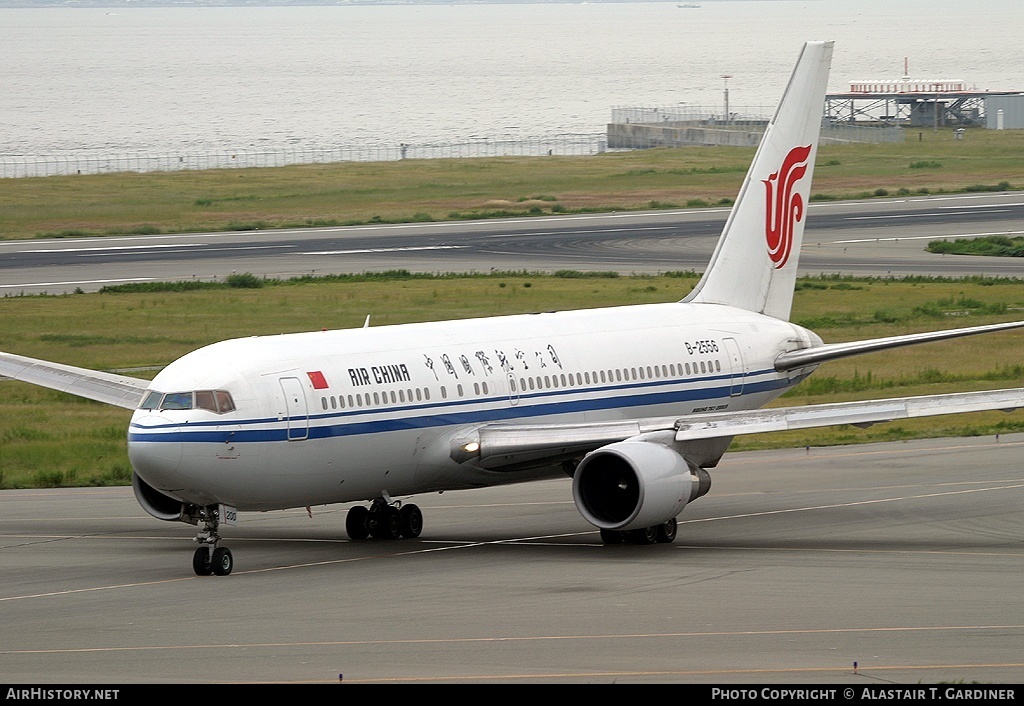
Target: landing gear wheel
(357, 523)
(667, 531)
(647, 535)
(411, 520)
(222, 561)
(202, 563)
(613, 536)
(386, 523)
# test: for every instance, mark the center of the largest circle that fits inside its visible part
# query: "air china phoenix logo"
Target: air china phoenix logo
(783, 206)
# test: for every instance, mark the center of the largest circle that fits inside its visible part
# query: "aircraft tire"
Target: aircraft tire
(411, 520)
(667, 531)
(356, 523)
(201, 562)
(647, 535)
(388, 524)
(613, 536)
(223, 562)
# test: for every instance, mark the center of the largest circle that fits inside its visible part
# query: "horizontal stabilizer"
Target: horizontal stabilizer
(119, 390)
(834, 351)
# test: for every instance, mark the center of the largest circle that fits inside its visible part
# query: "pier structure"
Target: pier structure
(911, 102)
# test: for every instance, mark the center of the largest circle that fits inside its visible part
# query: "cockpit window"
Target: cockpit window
(152, 400)
(206, 400)
(216, 401)
(177, 400)
(224, 401)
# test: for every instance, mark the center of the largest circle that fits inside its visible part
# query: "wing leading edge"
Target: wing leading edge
(119, 390)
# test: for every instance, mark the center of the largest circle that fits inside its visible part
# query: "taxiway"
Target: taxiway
(902, 557)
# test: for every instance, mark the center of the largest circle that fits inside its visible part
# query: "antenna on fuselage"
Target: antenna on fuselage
(366, 324)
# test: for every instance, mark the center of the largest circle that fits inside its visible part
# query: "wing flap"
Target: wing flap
(119, 390)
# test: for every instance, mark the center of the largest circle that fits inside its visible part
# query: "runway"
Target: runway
(879, 237)
(904, 558)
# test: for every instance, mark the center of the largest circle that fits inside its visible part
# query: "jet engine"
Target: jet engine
(160, 506)
(635, 484)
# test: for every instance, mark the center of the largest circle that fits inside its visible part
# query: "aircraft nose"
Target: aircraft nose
(154, 450)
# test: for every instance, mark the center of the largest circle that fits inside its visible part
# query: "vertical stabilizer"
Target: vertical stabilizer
(754, 264)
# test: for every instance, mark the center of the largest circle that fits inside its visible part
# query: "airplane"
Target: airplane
(635, 403)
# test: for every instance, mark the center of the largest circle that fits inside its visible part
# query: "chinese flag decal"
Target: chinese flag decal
(318, 380)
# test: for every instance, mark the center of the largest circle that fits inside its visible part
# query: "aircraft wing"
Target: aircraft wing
(119, 390)
(509, 446)
(861, 414)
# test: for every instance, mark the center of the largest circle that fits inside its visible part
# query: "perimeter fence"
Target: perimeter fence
(53, 165)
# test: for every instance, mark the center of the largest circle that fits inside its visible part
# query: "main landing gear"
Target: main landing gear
(384, 519)
(665, 533)
(209, 558)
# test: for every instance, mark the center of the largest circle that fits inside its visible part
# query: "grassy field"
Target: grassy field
(419, 190)
(49, 439)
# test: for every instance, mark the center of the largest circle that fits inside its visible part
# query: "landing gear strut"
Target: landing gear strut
(209, 558)
(384, 519)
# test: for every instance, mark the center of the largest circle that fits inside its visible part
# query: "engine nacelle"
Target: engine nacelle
(635, 484)
(160, 506)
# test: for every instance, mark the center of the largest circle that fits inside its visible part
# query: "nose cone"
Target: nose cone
(154, 450)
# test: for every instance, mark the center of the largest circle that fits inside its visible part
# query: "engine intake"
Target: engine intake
(635, 484)
(160, 506)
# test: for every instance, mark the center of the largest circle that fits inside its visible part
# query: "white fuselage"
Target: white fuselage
(337, 416)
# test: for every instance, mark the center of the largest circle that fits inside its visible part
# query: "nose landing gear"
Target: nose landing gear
(209, 558)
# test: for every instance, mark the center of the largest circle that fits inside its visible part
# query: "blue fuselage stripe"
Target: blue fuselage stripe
(445, 414)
